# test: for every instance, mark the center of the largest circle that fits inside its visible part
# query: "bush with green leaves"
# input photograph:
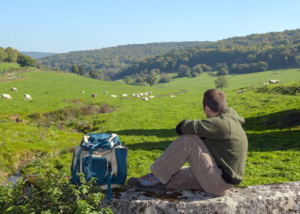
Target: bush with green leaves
(51, 192)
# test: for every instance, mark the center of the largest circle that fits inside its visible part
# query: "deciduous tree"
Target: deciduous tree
(198, 69)
(12, 54)
(94, 74)
(164, 78)
(221, 82)
(3, 54)
(184, 71)
(151, 77)
(139, 80)
(127, 79)
(222, 71)
(25, 61)
(82, 71)
(75, 69)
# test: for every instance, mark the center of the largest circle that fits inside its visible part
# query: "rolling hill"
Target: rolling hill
(239, 55)
(112, 59)
(55, 120)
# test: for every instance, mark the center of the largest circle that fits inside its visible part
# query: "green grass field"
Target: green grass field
(8, 65)
(147, 128)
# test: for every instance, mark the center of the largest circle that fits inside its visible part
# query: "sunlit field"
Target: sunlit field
(147, 127)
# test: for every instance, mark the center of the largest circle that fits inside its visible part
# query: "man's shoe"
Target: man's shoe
(148, 183)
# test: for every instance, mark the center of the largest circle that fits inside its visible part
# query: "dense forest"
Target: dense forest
(36, 55)
(143, 63)
(10, 54)
(111, 61)
(253, 53)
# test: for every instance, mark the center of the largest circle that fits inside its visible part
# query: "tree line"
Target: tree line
(237, 55)
(12, 55)
(110, 61)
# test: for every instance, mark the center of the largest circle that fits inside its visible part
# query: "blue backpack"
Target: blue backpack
(101, 156)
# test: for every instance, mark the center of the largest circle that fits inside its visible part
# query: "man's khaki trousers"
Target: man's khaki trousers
(202, 172)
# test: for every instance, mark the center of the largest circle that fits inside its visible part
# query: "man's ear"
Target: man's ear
(207, 109)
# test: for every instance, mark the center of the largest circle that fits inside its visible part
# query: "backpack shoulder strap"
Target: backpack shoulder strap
(109, 183)
(75, 168)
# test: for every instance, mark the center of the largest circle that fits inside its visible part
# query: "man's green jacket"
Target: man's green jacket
(226, 140)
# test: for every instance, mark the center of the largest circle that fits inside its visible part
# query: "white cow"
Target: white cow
(274, 81)
(172, 96)
(94, 95)
(144, 98)
(113, 95)
(6, 96)
(13, 89)
(265, 83)
(27, 97)
(82, 92)
(123, 95)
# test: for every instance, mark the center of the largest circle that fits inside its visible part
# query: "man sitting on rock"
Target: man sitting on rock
(215, 148)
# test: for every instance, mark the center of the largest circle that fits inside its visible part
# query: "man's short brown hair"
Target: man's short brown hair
(215, 100)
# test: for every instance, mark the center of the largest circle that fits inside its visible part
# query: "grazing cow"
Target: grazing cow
(105, 92)
(242, 91)
(144, 98)
(133, 95)
(274, 81)
(82, 92)
(13, 89)
(27, 97)
(172, 96)
(265, 83)
(6, 96)
(138, 95)
(113, 95)
(123, 95)
(151, 96)
(93, 95)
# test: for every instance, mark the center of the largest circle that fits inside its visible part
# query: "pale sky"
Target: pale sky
(61, 26)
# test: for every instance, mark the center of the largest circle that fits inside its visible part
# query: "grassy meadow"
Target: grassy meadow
(146, 128)
(8, 65)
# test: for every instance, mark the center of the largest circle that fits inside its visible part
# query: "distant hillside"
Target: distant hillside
(36, 55)
(113, 59)
(256, 52)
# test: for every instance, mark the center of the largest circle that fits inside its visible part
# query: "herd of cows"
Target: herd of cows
(8, 97)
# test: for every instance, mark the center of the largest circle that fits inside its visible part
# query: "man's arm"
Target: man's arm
(210, 128)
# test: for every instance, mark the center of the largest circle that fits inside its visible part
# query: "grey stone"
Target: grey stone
(275, 198)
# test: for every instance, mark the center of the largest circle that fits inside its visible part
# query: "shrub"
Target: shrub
(164, 78)
(51, 192)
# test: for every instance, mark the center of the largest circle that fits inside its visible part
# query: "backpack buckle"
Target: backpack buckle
(109, 167)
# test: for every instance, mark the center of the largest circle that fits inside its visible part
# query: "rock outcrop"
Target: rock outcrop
(275, 198)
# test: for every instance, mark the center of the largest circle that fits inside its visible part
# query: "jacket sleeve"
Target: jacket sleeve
(212, 128)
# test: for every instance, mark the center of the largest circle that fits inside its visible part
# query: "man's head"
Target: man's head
(214, 101)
